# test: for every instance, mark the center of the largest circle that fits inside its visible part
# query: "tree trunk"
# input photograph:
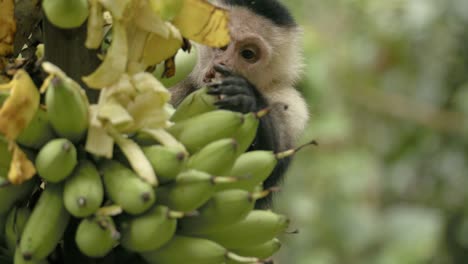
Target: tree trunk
(65, 48)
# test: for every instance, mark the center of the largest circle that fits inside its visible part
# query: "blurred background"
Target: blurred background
(387, 85)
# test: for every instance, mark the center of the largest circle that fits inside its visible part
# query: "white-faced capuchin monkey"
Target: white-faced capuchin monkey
(259, 68)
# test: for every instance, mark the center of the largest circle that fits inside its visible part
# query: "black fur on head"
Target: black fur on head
(270, 9)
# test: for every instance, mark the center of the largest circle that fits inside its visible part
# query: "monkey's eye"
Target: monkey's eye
(249, 55)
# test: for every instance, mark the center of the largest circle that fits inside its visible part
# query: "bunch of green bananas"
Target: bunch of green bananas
(179, 187)
(201, 210)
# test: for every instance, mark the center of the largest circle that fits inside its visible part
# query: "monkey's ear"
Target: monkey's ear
(223, 70)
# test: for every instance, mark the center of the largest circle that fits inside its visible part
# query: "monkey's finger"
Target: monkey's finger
(238, 103)
(229, 90)
(226, 82)
(236, 80)
(213, 90)
(223, 70)
(231, 101)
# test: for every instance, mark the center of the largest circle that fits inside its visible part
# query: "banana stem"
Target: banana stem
(175, 214)
(259, 195)
(235, 257)
(221, 180)
(263, 112)
(291, 152)
(110, 210)
(104, 223)
(63, 44)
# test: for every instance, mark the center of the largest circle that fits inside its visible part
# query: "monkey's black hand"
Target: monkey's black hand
(236, 93)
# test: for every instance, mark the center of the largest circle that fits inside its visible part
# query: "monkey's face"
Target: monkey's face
(255, 45)
(247, 52)
(265, 54)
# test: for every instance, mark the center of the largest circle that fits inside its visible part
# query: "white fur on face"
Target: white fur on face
(280, 64)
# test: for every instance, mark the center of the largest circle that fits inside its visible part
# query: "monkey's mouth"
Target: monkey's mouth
(212, 76)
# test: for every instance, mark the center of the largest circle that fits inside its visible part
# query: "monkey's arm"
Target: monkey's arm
(181, 90)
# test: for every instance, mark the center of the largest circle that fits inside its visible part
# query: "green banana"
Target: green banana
(126, 189)
(67, 108)
(248, 131)
(83, 192)
(18, 259)
(38, 132)
(5, 154)
(167, 162)
(149, 231)
(46, 225)
(196, 103)
(56, 160)
(185, 62)
(223, 209)
(198, 131)
(66, 13)
(14, 226)
(192, 250)
(261, 251)
(191, 189)
(216, 158)
(10, 194)
(258, 227)
(252, 168)
(96, 236)
(143, 139)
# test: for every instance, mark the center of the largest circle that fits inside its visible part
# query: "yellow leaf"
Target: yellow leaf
(98, 142)
(113, 112)
(167, 9)
(158, 48)
(164, 137)
(204, 23)
(136, 43)
(146, 82)
(20, 107)
(7, 26)
(115, 62)
(95, 25)
(113, 101)
(148, 20)
(148, 106)
(21, 168)
(118, 8)
(122, 91)
(135, 156)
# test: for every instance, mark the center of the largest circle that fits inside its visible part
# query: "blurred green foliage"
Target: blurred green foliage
(387, 85)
